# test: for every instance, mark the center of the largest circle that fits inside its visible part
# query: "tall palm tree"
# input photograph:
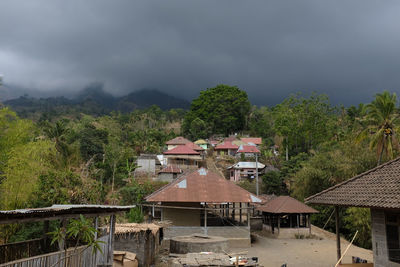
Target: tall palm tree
(381, 118)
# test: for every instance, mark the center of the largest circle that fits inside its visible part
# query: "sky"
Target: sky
(348, 50)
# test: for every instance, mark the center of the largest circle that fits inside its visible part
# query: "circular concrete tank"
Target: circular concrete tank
(198, 243)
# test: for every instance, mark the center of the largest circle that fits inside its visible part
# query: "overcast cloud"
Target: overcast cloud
(347, 49)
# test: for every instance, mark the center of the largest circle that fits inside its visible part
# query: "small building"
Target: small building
(202, 143)
(226, 148)
(177, 141)
(195, 147)
(205, 202)
(252, 140)
(147, 164)
(379, 190)
(169, 173)
(245, 170)
(249, 151)
(286, 217)
(183, 157)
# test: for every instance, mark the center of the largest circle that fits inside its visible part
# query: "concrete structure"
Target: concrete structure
(169, 173)
(379, 190)
(184, 157)
(245, 170)
(147, 164)
(227, 148)
(198, 243)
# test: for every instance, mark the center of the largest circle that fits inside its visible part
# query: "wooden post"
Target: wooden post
(240, 212)
(233, 211)
(205, 220)
(227, 210)
(96, 227)
(298, 220)
(279, 224)
(309, 223)
(248, 216)
(339, 253)
(110, 252)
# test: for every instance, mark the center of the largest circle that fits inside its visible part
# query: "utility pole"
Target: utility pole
(256, 173)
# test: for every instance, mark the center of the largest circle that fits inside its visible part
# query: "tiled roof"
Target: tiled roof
(264, 199)
(246, 165)
(226, 145)
(178, 141)
(181, 150)
(285, 204)
(202, 186)
(376, 188)
(254, 140)
(248, 149)
(171, 169)
(194, 146)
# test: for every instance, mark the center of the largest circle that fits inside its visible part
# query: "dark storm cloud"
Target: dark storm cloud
(347, 49)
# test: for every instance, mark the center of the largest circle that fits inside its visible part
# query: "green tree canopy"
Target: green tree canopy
(224, 109)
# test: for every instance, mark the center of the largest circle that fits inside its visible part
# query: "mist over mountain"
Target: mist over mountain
(94, 100)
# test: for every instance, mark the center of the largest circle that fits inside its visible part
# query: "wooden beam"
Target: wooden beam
(338, 250)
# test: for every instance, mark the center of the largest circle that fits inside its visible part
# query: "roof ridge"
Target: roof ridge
(283, 203)
(352, 179)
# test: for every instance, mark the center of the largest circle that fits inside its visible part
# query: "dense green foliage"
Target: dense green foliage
(219, 110)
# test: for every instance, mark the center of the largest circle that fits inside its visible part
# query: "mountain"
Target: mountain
(94, 100)
(147, 97)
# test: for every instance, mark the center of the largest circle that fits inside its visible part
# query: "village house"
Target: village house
(184, 157)
(252, 140)
(147, 164)
(249, 151)
(202, 143)
(204, 202)
(226, 148)
(245, 170)
(177, 141)
(286, 217)
(169, 173)
(379, 190)
(196, 148)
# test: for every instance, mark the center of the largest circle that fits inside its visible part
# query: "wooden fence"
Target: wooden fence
(73, 257)
(25, 249)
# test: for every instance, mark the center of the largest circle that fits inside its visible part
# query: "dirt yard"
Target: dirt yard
(303, 252)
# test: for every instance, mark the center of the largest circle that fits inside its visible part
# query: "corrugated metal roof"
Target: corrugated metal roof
(376, 188)
(247, 165)
(284, 205)
(202, 186)
(59, 210)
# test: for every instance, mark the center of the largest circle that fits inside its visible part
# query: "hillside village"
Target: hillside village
(198, 187)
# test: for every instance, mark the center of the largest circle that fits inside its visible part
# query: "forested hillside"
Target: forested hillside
(72, 155)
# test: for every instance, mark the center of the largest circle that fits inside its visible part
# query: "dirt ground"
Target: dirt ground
(302, 252)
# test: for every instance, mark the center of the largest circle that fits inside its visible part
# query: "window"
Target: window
(392, 236)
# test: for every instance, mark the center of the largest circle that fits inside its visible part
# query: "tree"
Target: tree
(92, 141)
(223, 108)
(381, 119)
(198, 129)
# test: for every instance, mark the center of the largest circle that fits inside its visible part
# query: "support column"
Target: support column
(205, 220)
(240, 212)
(96, 227)
(227, 210)
(309, 223)
(339, 253)
(248, 218)
(110, 252)
(298, 220)
(233, 211)
(279, 224)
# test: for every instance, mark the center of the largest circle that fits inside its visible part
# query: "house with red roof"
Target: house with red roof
(177, 141)
(252, 140)
(248, 151)
(184, 157)
(226, 148)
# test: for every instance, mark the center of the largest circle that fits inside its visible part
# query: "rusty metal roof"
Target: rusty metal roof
(202, 186)
(48, 213)
(180, 140)
(284, 205)
(226, 145)
(376, 188)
